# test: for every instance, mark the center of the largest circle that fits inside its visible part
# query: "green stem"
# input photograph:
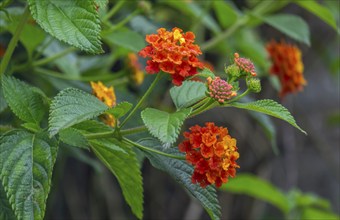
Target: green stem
(146, 94)
(54, 57)
(113, 10)
(211, 43)
(152, 150)
(200, 103)
(204, 107)
(123, 22)
(133, 130)
(106, 134)
(238, 97)
(14, 41)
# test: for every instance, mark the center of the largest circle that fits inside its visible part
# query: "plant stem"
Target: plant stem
(211, 43)
(204, 107)
(146, 94)
(124, 21)
(14, 41)
(200, 103)
(54, 57)
(239, 97)
(113, 10)
(153, 150)
(133, 130)
(106, 134)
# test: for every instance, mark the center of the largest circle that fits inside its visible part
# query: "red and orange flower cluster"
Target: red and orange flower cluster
(287, 65)
(212, 152)
(172, 52)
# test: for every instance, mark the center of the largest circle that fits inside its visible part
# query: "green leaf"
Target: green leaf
(181, 171)
(291, 25)
(32, 127)
(319, 10)
(163, 125)
(74, 22)
(188, 93)
(120, 110)
(91, 126)
(225, 12)
(125, 167)
(269, 107)
(3, 103)
(126, 38)
(316, 214)
(72, 106)
(24, 100)
(251, 185)
(31, 36)
(205, 73)
(6, 212)
(26, 164)
(73, 137)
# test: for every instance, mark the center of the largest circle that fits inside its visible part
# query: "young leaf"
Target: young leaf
(73, 137)
(188, 93)
(74, 22)
(253, 186)
(6, 212)
(181, 171)
(125, 167)
(291, 25)
(163, 125)
(120, 110)
(26, 164)
(269, 107)
(72, 106)
(24, 100)
(319, 10)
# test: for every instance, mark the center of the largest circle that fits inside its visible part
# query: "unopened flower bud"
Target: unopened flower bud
(220, 89)
(254, 84)
(245, 64)
(233, 71)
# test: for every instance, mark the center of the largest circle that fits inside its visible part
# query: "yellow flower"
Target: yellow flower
(137, 73)
(106, 95)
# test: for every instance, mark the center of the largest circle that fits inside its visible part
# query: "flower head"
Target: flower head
(244, 64)
(212, 152)
(172, 52)
(287, 65)
(220, 89)
(106, 95)
(137, 73)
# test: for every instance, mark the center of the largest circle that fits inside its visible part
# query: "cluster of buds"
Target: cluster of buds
(220, 89)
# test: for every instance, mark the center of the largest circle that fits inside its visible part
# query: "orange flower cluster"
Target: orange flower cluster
(244, 64)
(172, 52)
(212, 152)
(287, 65)
(106, 95)
(137, 73)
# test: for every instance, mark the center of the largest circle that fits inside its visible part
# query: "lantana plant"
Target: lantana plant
(201, 158)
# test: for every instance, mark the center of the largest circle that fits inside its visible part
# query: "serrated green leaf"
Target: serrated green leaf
(25, 101)
(120, 110)
(163, 125)
(6, 212)
(72, 106)
(31, 127)
(126, 168)
(91, 126)
(291, 25)
(26, 164)
(73, 137)
(126, 38)
(188, 93)
(269, 107)
(181, 171)
(3, 103)
(251, 185)
(74, 22)
(319, 10)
